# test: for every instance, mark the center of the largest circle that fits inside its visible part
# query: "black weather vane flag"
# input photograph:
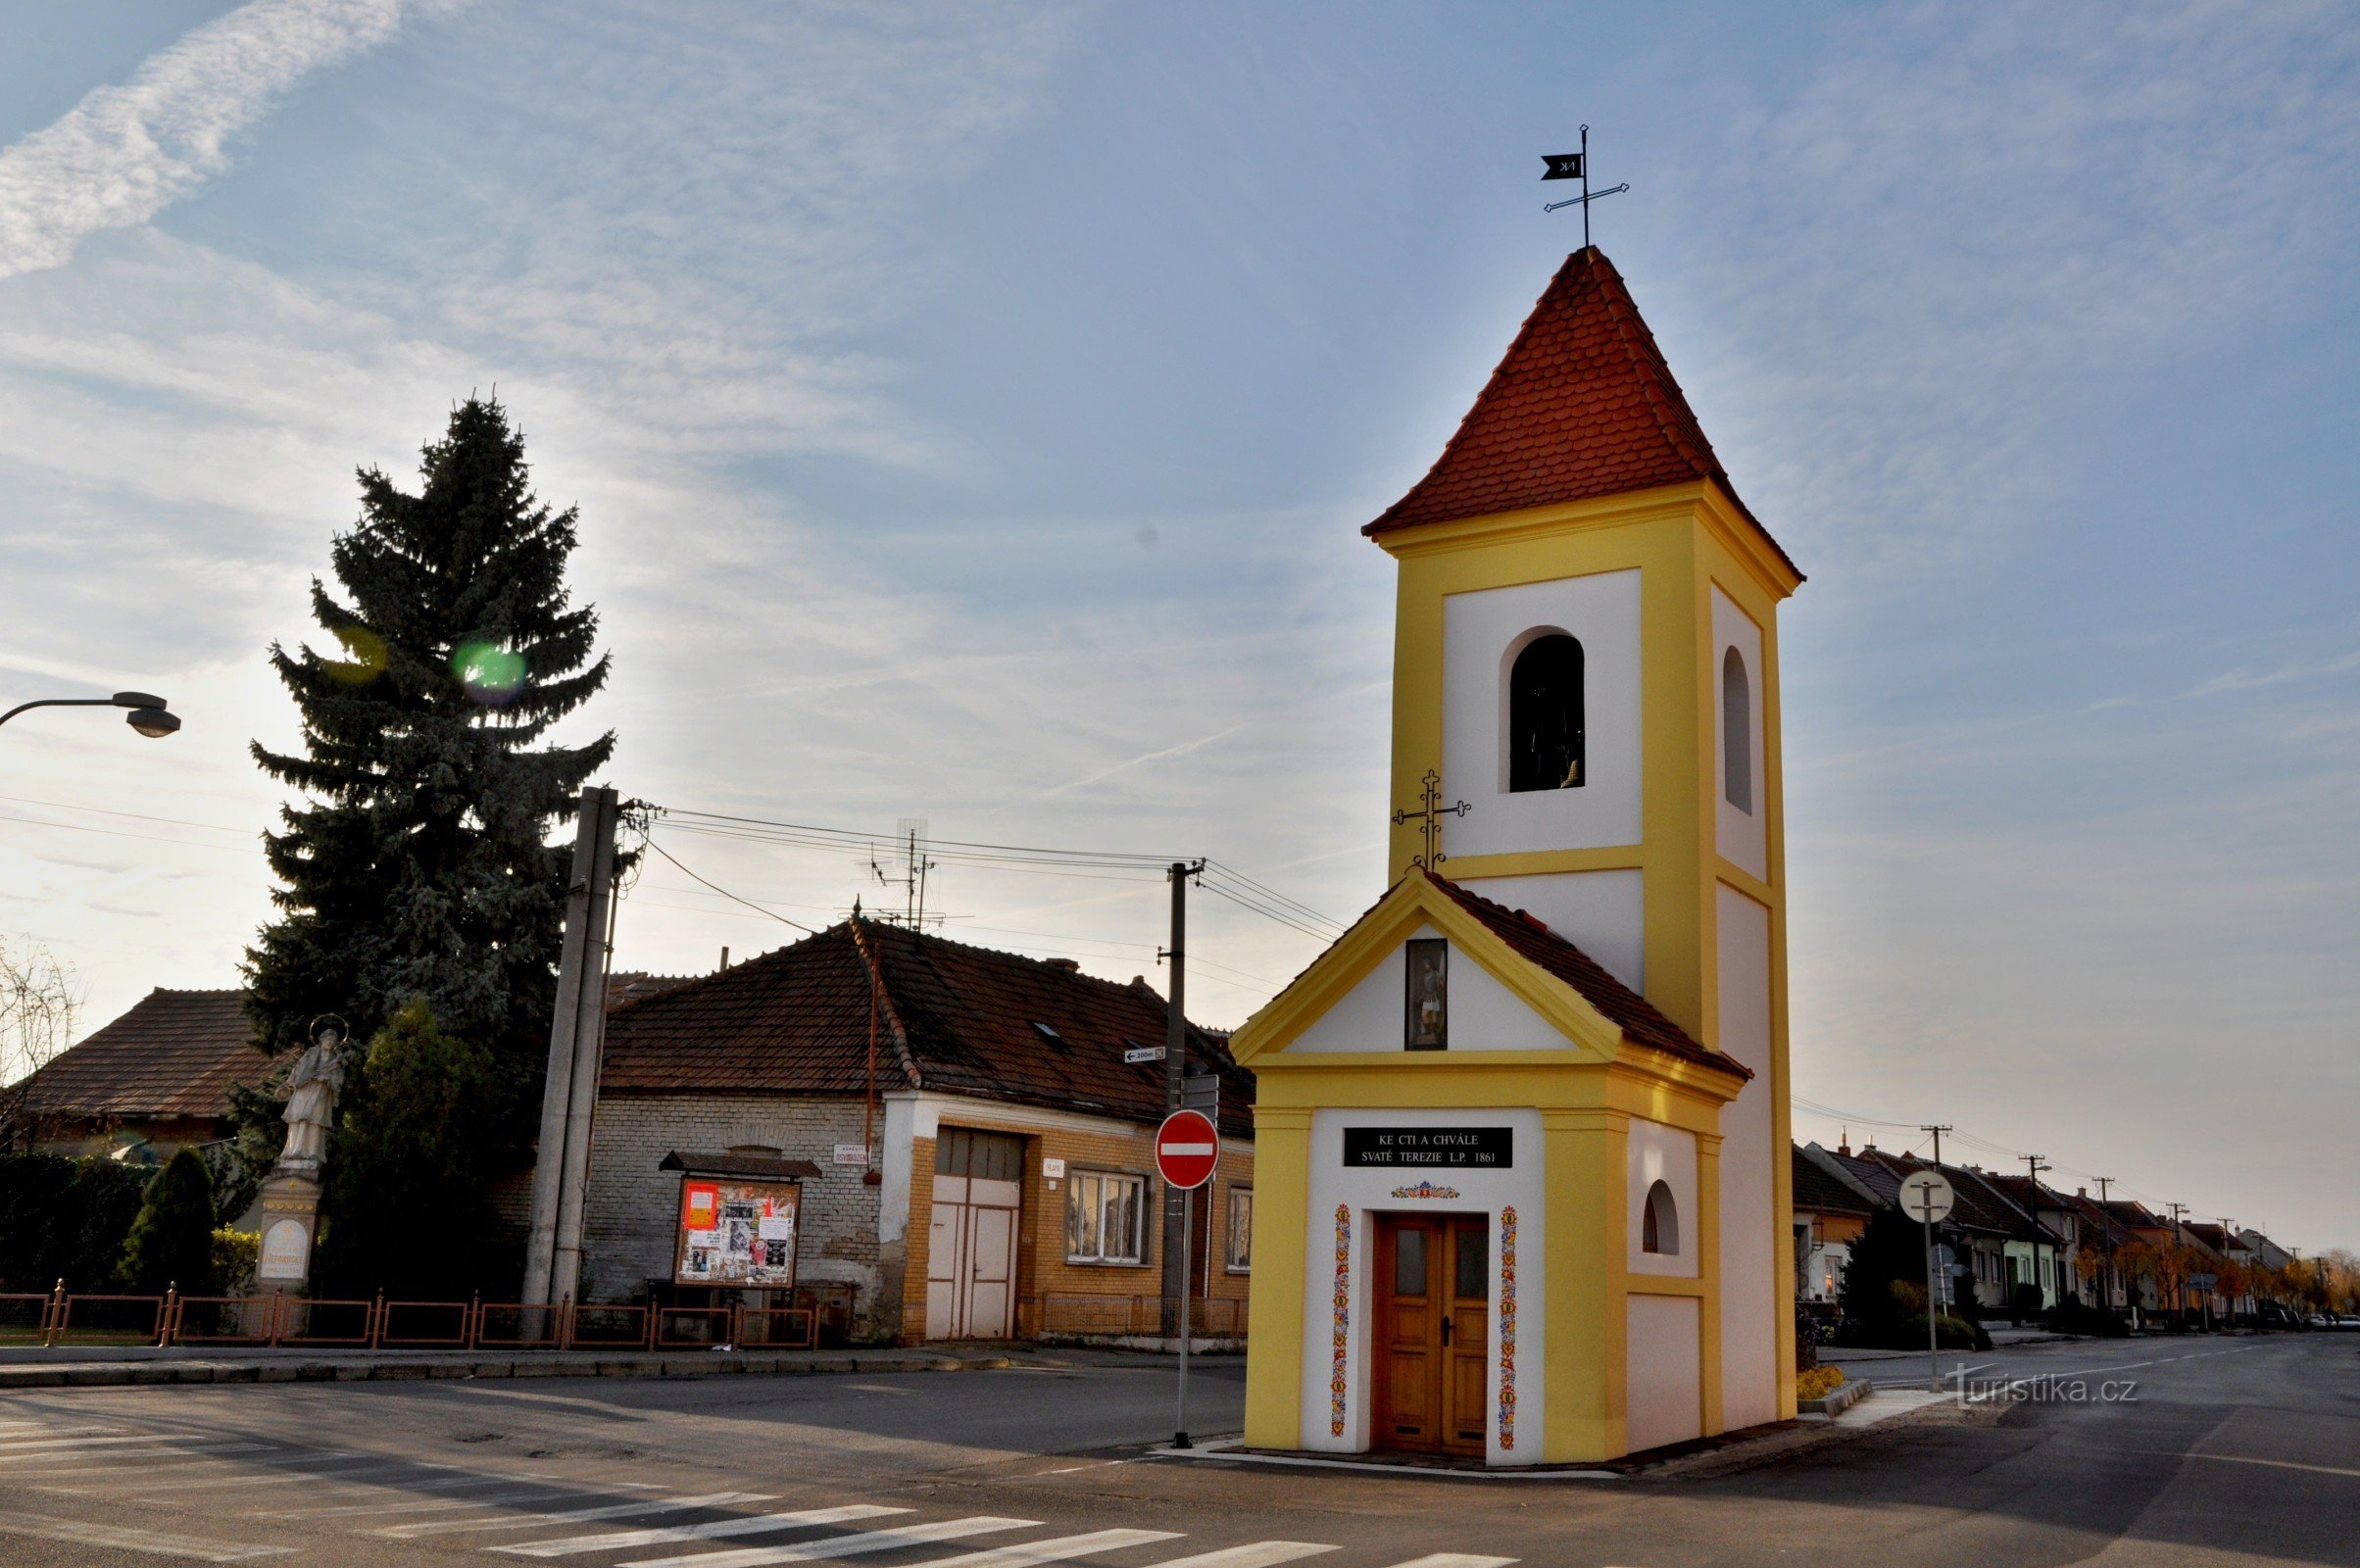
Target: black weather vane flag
(1576, 165)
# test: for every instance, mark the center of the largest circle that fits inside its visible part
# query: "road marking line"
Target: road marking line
(2280, 1464)
(123, 1539)
(1059, 1549)
(532, 1521)
(1457, 1559)
(233, 1479)
(509, 1483)
(1254, 1555)
(859, 1545)
(712, 1530)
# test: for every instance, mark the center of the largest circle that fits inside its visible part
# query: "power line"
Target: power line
(724, 892)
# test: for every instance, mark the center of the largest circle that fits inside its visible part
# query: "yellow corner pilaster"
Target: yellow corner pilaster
(1709, 1276)
(1274, 1313)
(1588, 1339)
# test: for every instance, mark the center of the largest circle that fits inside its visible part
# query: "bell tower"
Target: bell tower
(1585, 655)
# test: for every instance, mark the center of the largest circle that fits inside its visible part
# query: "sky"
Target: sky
(972, 409)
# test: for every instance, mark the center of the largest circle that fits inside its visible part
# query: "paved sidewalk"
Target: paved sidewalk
(36, 1368)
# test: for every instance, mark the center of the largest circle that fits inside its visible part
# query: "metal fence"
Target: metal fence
(278, 1319)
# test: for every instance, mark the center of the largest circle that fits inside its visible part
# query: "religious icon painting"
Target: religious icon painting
(1427, 1002)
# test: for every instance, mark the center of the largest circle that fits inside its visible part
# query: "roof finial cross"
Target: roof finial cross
(1576, 165)
(1429, 817)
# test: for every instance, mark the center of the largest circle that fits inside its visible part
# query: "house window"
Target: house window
(1737, 733)
(1426, 994)
(1545, 717)
(1241, 1230)
(1659, 1225)
(1105, 1218)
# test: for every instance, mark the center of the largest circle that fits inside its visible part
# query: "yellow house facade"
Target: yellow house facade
(1522, 1133)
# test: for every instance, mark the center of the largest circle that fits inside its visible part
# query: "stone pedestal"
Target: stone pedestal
(290, 1215)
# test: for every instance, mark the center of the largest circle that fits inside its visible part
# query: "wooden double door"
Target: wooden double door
(1432, 1335)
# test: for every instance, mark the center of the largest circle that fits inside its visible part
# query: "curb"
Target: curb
(1837, 1401)
(124, 1374)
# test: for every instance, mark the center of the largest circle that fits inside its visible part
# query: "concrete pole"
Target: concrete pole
(557, 1093)
(590, 1039)
(1175, 1067)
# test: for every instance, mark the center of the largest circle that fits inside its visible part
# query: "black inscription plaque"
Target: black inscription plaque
(1431, 1148)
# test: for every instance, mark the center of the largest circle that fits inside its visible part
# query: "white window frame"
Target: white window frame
(1094, 1184)
(1229, 1242)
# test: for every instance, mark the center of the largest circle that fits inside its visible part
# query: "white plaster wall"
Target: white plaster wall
(1602, 912)
(1479, 629)
(1367, 1191)
(1484, 1015)
(1753, 1303)
(1663, 1396)
(1741, 835)
(1657, 1153)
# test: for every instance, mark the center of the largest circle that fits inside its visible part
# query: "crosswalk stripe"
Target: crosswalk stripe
(231, 1478)
(123, 1538)
(531, 1521)
(80, 1460)
(438, 1505)
(1254, 1555)
(141, 1461)
(844, 1545)
(714, 1529)
(1457, 1559)
(21, 1450)
(12, 1440)
(1055, 1550)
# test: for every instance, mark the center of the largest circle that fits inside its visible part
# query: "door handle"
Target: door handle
(1446, 1329)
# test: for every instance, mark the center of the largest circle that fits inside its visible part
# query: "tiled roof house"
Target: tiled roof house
(155, 1080)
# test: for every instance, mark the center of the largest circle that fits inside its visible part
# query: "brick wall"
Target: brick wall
(631, 1207)
(1041, 1266)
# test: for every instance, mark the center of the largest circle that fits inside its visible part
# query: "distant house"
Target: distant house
(154, 1081)
(1831, 1210)
(953, 1142)
(1983, 1222)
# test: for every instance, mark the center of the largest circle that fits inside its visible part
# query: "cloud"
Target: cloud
(126, 153)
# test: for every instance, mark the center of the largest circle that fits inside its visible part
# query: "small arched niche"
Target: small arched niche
(1737, 732)
(1545, 716)
(1659, 1223)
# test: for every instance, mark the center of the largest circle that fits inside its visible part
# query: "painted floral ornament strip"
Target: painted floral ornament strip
(1508, 1329)
(1343, 1321)
(1425, 1189)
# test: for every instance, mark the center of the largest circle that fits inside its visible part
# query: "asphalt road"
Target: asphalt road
(2226, 1452)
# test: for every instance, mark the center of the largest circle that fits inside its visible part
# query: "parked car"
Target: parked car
(2318, 1320)
(2348, 1321)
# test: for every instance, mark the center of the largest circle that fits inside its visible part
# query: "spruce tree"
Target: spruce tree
(408, 1208)
(419, 865)
(172, 1240)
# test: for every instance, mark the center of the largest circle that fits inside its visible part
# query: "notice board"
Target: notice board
(737, 1233)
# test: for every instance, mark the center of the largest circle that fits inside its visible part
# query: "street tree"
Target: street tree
(171, 1240)
(39, 999)
(409, 1171)
(416, 862)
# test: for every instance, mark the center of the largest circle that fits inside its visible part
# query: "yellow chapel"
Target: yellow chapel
(1521, 1132)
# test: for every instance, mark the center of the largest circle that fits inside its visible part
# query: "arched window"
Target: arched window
(1544, 715)
(1659, 1226)
(1737, 733)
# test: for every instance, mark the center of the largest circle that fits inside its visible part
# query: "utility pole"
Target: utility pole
(2104, 1182)
(2178, 1307)
(553, 1254)
(2033, 1164)
(1938, 1132)
(1175, 1068)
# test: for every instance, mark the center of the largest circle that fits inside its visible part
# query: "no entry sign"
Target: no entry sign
(1187, 1148)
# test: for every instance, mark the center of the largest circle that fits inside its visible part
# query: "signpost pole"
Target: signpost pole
(1934, 1370)
(1188, 1243)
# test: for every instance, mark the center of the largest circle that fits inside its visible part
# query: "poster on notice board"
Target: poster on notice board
(737, 1233)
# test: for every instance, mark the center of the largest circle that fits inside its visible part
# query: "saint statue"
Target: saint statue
(311, 1090)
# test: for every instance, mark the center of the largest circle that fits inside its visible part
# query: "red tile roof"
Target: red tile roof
(1816, 1189)
(1582, 405)
(174, 1054)
(1551, 954)
(950, 1017)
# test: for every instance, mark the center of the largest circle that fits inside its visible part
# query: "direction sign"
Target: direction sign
(1926, 1195)
(1201, 1092)
(1187, 1148)
(1139, 1053)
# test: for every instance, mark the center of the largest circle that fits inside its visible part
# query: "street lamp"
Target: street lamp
(148, 713)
